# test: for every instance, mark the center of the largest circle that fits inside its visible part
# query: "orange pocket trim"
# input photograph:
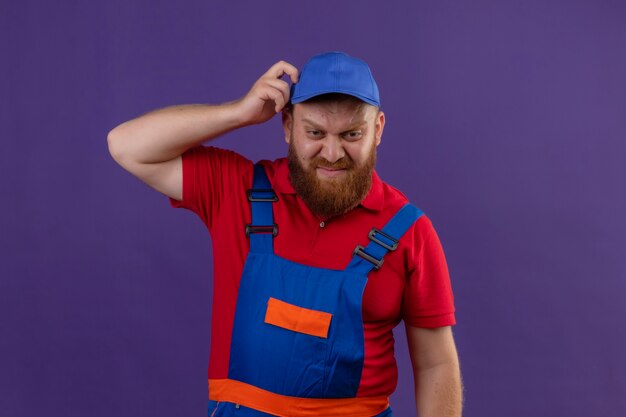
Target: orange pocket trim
(297, 319)
(237, 392)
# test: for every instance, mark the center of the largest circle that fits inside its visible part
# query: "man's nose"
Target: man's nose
(332, 149)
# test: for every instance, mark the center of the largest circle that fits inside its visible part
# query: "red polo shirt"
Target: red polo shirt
(413, 284)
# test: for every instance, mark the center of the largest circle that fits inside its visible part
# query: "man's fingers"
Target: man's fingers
(281, 86)
(269, 87)
(278, 98)
(267, 92)
(282, 67)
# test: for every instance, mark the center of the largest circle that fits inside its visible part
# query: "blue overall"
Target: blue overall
(289, 362)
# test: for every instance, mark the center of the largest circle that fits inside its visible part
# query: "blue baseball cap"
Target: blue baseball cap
(335, 72)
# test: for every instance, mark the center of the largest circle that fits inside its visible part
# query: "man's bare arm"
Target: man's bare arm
(150, 146)
(438, 387)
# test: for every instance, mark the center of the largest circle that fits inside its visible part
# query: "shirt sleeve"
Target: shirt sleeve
(208, 175)
(428, 300)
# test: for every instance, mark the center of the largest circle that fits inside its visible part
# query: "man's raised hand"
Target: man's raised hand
(268, 95)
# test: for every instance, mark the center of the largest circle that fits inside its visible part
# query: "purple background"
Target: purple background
(506, 123)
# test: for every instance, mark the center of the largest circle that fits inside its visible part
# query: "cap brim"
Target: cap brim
(300, 99)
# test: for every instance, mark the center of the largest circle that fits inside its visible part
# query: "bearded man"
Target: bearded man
(316, 259)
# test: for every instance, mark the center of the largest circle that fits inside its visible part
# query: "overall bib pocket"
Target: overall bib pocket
(298, 319)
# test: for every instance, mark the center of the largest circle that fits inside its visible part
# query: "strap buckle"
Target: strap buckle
(273, 229)
(265, 198)
(372, 235)
(360, 251)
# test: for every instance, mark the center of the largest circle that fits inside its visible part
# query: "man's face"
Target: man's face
(332, 152)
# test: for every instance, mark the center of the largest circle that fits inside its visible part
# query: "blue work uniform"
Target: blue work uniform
(298, 329)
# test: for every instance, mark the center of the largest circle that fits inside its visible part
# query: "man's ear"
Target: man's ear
(379, 127)
(287, 123)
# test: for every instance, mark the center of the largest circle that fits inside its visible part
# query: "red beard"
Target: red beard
(333, 196)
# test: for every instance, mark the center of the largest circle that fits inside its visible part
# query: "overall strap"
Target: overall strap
(261, 196)
(383, 241)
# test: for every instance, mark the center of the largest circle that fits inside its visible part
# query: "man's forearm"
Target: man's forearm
(439, 391)
(164, 134)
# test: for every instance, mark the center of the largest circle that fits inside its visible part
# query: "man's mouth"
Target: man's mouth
(330, 172)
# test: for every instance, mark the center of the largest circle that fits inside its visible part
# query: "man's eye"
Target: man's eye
(315, 133)
(355, 134)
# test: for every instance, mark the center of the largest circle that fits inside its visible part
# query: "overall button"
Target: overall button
(322, 224)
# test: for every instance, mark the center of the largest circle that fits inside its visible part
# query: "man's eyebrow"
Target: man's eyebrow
(311, 122)
(357, 123)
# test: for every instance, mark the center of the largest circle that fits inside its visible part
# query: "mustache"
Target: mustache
(343, 163)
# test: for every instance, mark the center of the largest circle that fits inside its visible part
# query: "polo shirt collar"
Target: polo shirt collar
(373, 200)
